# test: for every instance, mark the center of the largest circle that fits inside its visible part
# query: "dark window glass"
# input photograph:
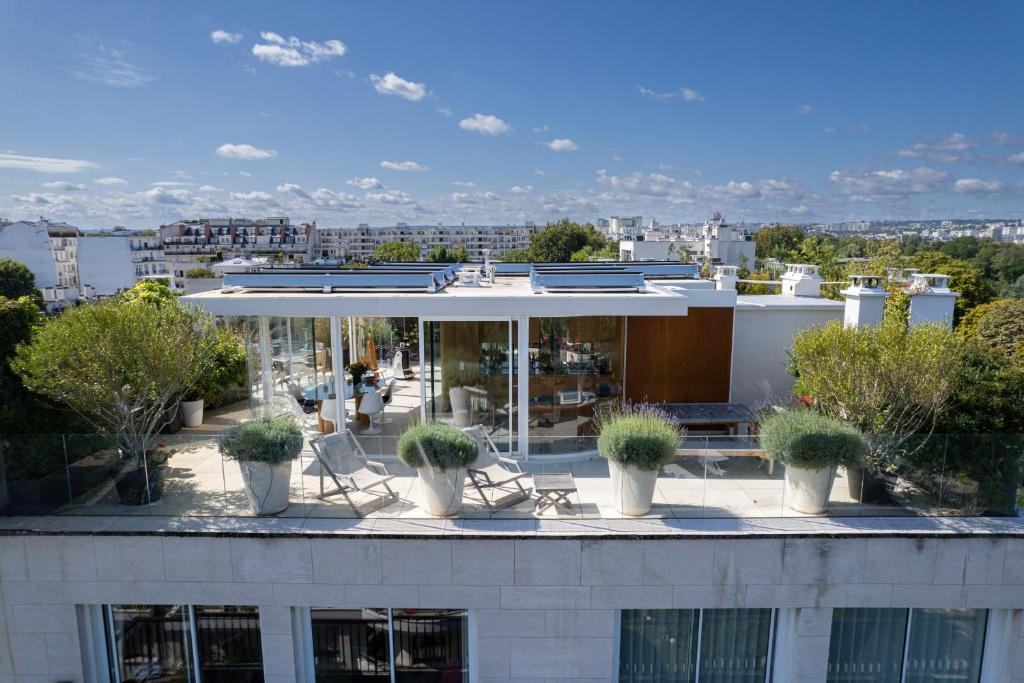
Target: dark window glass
(229, 645)
(151, 642)
(350, 645)
(658, 645)
(734, 645)
(867, 645)
(430, 646)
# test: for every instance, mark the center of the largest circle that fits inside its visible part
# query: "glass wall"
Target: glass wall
(468, 374)
(576, 365)
(877, 645)
(421, 646)
(695, 646)
(179, 643)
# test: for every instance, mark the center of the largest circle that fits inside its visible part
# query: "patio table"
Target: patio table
(553, 490)
(728, 415)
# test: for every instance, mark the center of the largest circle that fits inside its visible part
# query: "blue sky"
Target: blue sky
(137, 113)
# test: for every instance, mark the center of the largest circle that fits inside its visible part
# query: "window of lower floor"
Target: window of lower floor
(906, 646)
(695, 646)
(417, 645)
(184, 644)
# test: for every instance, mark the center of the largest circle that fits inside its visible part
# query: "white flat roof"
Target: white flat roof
(509, 296)
(805, 303)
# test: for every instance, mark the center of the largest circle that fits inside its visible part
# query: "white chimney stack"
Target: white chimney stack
(726, 277)
(865, 301)
(930, 299)
(801, 279)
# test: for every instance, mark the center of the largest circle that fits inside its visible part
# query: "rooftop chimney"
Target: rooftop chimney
(725, 277)
(865, 301)
(801, 279)
(930, 299)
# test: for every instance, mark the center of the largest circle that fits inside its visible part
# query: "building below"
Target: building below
(112, 263)
(714, 242)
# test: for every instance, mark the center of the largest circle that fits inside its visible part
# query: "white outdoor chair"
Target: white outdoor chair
(386, 398)
(345, 462)
(494, 472)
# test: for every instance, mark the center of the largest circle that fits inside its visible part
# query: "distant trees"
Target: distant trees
(398, 252)
(563, 242)
(442, 254)
(199, 273)
(777, 241)
(16, 280)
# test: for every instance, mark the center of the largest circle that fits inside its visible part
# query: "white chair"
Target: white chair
(345, 462)
(397, 369)
(495, 473)
(459, 398)
(371, 404)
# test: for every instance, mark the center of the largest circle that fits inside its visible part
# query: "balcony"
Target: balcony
(712, 477)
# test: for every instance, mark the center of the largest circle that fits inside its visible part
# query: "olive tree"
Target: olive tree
(891, 382)
(123, 365)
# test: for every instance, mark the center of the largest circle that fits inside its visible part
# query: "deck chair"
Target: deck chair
(345, 462)
(494, 472)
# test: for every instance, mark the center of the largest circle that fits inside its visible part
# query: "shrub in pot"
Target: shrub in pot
(265, 449)
(636, 439)
(227, 368)
(440, 453)
(811, 446)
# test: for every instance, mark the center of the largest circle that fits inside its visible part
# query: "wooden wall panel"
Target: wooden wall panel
(680, 359)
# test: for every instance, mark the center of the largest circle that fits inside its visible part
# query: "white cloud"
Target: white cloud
(367, 183)
(323, 197)
(22, 162)
(393, 84)
(1017, 158)
(463, 183)
(888, 183)
(403, 166)
(222, 37)
(562, 145)
(473, 198)
(160, 195)
(687, 94)
(210, 188)
(521, 189)
(110, 180)
(64, 186)
(1001, 138)
(244, 174)
(445, 112)
(111, 66)
(254, 196)
(246, 152)
(542, 129)
(172, 183)
(292, 52)
(395, 197)
(957, 142)
(805, 109)
(978, 186)
(540, 172)
(485, 124)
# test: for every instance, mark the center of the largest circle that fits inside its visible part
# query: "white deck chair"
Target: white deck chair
(345, 462)
(494, 472)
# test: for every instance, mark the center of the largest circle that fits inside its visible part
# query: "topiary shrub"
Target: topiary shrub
(639, 435)
(272, 440)
(444, 446)
(804, 438)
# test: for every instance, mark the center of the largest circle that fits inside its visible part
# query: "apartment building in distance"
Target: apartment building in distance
(716, 242)
(50, 251)
(359, 243)
(197, 242)
(109, 263)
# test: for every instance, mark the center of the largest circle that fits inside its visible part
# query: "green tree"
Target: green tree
(442, 254)
(889, 381)
(199, 273)
(150, 292)
(397, 252)
(557, 242)
(963, 278)
(777, 241)
(123, 365)
(998, 325)
(516, 256)
(19, 319)
(607, 251)
(16, 281)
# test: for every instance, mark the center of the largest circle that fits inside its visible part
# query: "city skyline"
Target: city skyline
(354, 114)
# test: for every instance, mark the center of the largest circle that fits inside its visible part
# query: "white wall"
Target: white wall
(761, 337)
(30, 244)
(105, 263)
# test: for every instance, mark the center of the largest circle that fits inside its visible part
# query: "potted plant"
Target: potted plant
(227, 368)
(357, 370)
(192, 408)
(265, 449)
(811, 446)
(440, 453)
(142, 485)
(636, 439)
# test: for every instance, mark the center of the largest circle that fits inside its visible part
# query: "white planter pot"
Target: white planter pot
(808, 490)
(632, 488)
(192, 413)
(267, 486)
(442, 490)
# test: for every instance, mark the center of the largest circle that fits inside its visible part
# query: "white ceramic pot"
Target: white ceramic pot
(192, 413)
(632, 488)
(808, 490)
(442, 490)
(266, 486)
